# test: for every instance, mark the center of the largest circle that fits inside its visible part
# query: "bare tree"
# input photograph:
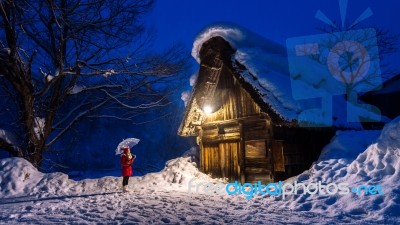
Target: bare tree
(352, 57)
(358, 56)
(344, 62)
(62, 61)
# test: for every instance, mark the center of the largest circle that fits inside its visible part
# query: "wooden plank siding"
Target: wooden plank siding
(251, 149)
(224, 134)
(232, 100)
(222, 160)
(301, 147)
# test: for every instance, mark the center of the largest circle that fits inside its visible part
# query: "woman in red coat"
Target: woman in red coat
(126, 161)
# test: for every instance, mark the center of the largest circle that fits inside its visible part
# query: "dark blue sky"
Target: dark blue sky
(180, 21)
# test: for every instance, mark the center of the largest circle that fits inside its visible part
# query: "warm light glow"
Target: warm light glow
(207, 110)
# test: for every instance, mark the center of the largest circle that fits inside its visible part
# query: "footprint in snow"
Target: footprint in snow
(165, 220)
(330, 201)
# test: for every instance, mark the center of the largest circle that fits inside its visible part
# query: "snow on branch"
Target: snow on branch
(76, 89)
(39, 126)
(80, 88)
(47, 76)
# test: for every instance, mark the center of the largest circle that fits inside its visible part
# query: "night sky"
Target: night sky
(180, 21)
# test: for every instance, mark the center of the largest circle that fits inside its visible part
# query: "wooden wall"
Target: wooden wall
(221, 160)
(238, 149)
(301, 147)
(240, 142)
(251, 149)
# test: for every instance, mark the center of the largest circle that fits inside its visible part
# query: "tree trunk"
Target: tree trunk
(37, 158)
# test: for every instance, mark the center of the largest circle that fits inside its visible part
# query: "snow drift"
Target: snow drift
(19, 178)
(356, 158)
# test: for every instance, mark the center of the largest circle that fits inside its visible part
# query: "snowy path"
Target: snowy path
(151, 207)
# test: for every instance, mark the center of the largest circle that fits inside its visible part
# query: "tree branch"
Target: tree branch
(74, 121)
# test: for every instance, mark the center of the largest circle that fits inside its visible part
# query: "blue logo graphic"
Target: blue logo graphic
(286, 189)
(326, 66)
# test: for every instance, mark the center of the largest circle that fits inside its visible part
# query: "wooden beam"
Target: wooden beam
(242, 155)
(234, 122)
(202, 153)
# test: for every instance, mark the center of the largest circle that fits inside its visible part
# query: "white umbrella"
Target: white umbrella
(129, 142)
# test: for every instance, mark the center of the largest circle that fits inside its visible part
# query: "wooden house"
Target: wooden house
(241, 136)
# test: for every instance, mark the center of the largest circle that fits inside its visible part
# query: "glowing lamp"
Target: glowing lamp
(207, 110)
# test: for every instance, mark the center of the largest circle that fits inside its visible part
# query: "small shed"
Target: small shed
(245, 125)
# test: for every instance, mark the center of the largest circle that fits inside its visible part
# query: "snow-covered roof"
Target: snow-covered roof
(267, 71)
(237, 36)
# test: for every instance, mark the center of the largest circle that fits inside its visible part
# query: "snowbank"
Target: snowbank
(176, 175)
(345, 160)
(19, 178)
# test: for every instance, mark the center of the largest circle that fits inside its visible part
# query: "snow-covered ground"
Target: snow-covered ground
(353, 157)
